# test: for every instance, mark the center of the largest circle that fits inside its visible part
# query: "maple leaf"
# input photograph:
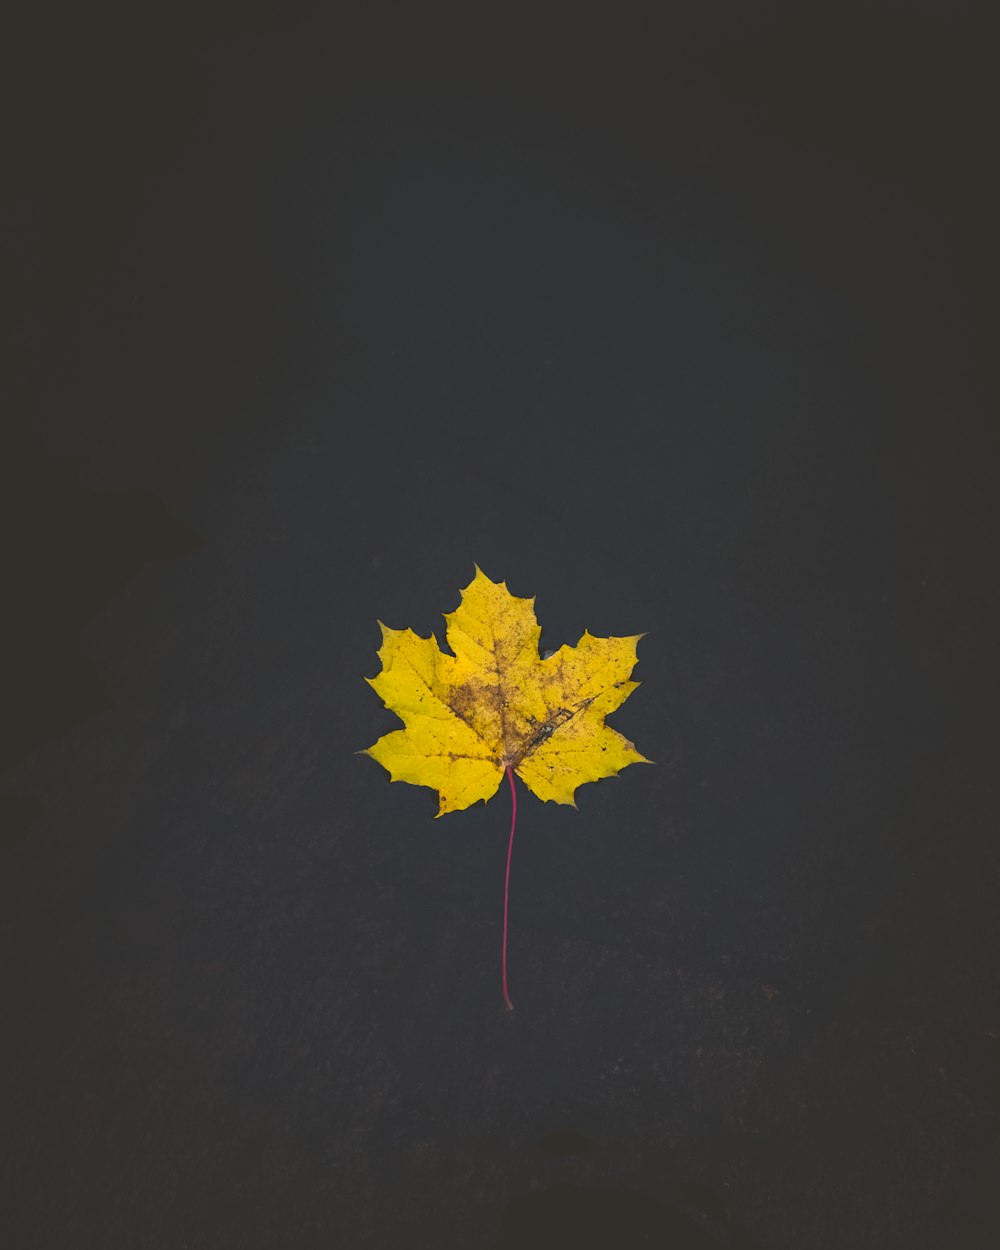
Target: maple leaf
(496, 705)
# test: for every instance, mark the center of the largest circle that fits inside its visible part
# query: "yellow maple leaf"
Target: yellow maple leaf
(497, 706)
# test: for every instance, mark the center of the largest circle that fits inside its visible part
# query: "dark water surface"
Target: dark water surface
(681, 326)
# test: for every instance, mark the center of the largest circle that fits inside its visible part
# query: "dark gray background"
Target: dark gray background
(681, 322)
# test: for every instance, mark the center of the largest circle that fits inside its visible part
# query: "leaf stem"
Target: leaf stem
(506, 884)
